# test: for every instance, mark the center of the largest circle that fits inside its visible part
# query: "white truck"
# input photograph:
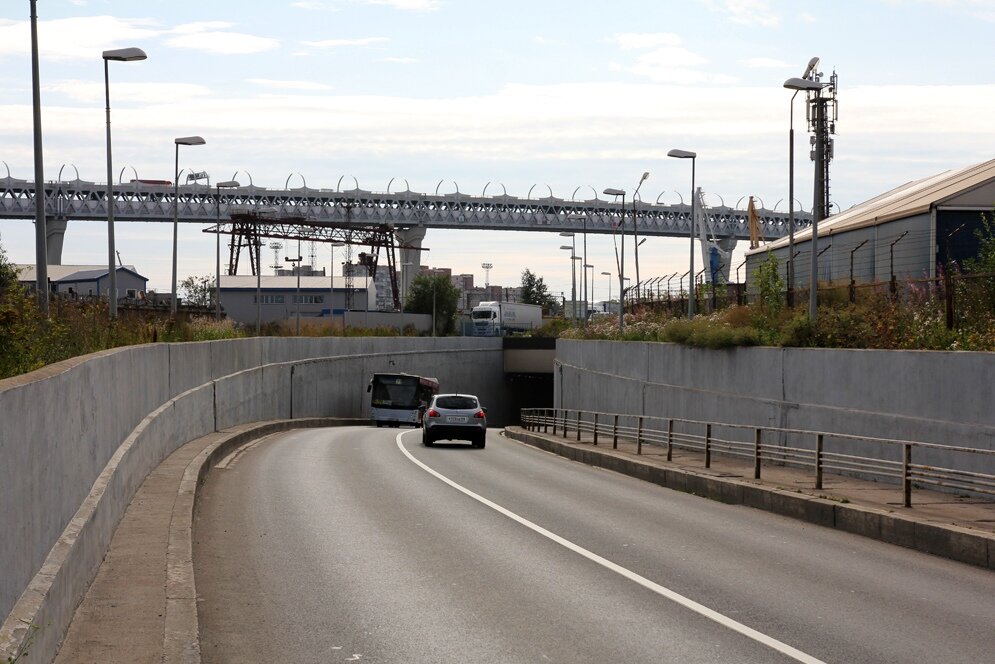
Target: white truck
(495, 319)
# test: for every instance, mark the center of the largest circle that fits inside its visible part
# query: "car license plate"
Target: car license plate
(457, 419)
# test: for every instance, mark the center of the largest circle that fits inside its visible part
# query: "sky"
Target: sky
(571, 97)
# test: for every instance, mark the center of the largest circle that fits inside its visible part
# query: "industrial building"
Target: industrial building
(86, 280)
(316, 297)
(908, 233)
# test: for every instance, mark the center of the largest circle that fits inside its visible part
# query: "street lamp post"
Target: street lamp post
(798, 85)
(621, 263)
(41, 239)
(296, 262)
(587, 303)
(228, 184)
(186, 140)
(584, 297)
(804, 84)
(687, 154)
(573, 285)
(404, 285)
(608, 302)
(331, 277)
(573, 277)
(635, 231)
(116, 55)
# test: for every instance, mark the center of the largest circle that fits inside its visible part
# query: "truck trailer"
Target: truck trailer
(495, 319)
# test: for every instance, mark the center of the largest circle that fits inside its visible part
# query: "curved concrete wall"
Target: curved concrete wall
(78, 438)
(928, 396)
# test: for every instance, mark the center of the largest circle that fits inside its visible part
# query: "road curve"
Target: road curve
(337, 545)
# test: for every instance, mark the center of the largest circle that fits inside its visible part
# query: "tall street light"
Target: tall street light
(573, 252)
(116, 55)
(41, 232)
(573, 276)
(186, 140)
(635, 234)
(621, 263)
(687, 154)
(331, 278)
(587, 302)
(227, 184)
(796, 84)
(297, 268)
(799, 85)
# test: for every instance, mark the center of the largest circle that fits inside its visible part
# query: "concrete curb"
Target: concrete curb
(948, 541)
(181, 634)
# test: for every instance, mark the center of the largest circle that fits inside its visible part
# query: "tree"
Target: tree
(198, 291)
(534, 291)
(424, 288)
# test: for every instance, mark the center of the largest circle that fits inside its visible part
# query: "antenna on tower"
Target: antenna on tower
(276, 247)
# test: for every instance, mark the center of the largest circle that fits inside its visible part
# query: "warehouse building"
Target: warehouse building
(908, 233)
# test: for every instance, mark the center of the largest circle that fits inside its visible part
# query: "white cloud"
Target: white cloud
(407, 5)
(201, 26)
(125, 93)
(645, 40)
(288, 85)
(806, 17)
(401, 61)
(665, 59)
(745, 12)
(224, 43)
(336, 43)
(764, 63)
(72, 38)
(307, 5)
(86, 37)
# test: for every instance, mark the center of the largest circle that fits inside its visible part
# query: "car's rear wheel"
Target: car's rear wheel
(426, 439)
(480, 441)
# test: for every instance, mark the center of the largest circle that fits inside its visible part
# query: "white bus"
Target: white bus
(396, 398)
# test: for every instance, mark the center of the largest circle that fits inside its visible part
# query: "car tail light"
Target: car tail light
(432, 413)
(479, 413)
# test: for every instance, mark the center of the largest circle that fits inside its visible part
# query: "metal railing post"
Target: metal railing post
(756, 453)
(615, 434)
(639, 436)
(670, 439)
(907, 473)
(595, 428)
(578, 426)
(556, 418)
(566, 415)
(545, 420)
(818, 461)
(708, 446)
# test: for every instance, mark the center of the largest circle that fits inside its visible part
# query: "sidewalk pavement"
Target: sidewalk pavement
(138, 608)
(948, 525)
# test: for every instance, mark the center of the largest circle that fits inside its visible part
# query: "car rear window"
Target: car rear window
(456, 402)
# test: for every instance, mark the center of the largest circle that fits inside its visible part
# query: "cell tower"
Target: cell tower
(276, 247)
(487, 273)
(313, 253)
(822, 116)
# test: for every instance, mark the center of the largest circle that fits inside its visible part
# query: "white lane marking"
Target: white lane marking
(673, 596)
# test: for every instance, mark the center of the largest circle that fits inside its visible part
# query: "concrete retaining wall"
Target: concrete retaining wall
(78, 438)
(928, 396)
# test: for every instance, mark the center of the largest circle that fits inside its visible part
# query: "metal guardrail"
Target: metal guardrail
(818, 450)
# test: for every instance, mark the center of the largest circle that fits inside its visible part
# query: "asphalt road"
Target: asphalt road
(335, 545)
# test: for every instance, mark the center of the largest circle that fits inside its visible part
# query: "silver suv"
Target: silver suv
(454, 417)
